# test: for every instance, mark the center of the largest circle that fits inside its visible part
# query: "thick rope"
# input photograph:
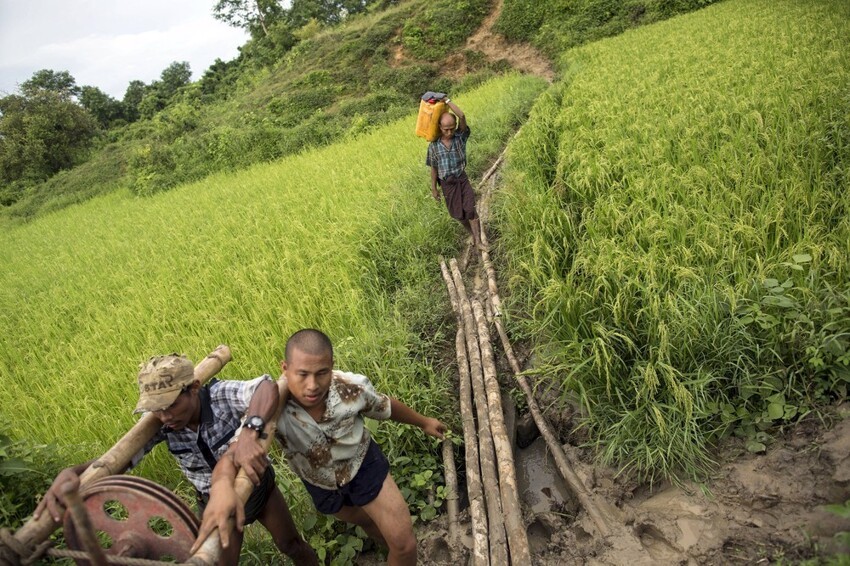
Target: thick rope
(15, 552)
(125, 560)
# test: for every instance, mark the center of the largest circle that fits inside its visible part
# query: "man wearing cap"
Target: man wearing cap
(198, 424)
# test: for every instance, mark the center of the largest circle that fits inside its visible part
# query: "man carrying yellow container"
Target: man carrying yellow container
(447, 159)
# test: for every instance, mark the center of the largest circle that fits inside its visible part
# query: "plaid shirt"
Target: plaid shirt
(223, 404)
(448, 161)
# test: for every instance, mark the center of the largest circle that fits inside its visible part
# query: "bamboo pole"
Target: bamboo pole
(118, 458)
(487, 450)
(477, 507)
(451, 493)
(492, 169)
(493, 291)
(517, 536)
(602, 515)
(474, 485)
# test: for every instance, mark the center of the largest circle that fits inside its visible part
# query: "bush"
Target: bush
(442, 27)
(26, 471)
(557, 25)
(152, 169)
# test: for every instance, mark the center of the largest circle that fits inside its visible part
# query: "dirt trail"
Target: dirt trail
(756, 509)
(495, 47)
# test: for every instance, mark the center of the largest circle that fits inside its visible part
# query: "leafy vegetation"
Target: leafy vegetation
(327, 239)
(288, 91)
(26, 470)
(676, 216)
(557, 25)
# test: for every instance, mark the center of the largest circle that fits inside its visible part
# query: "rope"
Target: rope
(112, 559)
(12, 551)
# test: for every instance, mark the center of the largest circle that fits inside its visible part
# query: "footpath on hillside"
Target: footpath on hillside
(550, 503)
(758, 509)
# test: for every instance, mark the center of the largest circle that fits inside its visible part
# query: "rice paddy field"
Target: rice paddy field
(344, 239)
(672, 231)
(676, 216)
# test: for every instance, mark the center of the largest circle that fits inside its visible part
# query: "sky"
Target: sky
(108, 43)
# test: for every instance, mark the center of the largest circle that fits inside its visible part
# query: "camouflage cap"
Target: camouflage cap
(161, 379)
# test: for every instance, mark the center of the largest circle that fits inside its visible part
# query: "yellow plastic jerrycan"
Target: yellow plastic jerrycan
(428, 121)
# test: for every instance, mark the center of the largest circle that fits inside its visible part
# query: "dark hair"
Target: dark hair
(309, 341)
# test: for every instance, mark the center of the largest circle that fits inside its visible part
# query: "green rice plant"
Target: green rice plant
(344, 238)
(659, 198)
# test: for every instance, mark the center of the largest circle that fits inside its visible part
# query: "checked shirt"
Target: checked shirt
(223, 404)
(449, 161)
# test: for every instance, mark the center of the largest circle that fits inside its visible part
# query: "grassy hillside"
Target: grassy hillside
(343, 238)
(557, 25)
(334, 84)
(677, 222)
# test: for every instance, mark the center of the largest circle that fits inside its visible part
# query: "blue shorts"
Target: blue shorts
(362, 489)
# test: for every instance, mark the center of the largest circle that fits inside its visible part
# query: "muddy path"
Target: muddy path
(759, 509)
(755, 508)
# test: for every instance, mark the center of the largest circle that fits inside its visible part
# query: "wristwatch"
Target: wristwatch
(257, 423)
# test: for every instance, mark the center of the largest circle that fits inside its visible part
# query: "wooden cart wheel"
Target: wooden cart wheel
(137, 518)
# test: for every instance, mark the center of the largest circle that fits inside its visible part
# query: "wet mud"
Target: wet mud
(756, 509)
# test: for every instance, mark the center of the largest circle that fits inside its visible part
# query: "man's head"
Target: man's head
(308, 367)
(448, 122)
(168, 388)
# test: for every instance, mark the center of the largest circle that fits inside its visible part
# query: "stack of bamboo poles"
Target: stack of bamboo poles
(496, 513)
(495, 509)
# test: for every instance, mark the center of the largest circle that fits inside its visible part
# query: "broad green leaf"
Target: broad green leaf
(13, 466)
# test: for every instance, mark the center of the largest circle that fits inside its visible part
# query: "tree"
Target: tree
(133, 98)
(160, 93)
(328, 12)
(173, 77)
(251, 15)
(218, 77)
(41, 133)
(103, 107)
(46, 80)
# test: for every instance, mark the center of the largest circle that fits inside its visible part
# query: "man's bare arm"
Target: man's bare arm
(248, 453)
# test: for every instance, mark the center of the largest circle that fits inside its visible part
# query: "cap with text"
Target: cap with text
(161, 379)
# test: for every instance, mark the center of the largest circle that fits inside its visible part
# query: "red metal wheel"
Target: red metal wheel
(137, 518)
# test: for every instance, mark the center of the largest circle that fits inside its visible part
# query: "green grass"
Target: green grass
(677, 221)
(557, 25)
(343, 238)
(339, 83)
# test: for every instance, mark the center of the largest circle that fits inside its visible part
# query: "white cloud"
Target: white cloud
(107, 44)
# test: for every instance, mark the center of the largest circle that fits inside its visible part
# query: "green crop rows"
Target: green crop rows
(343, 238)
(677, 221)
